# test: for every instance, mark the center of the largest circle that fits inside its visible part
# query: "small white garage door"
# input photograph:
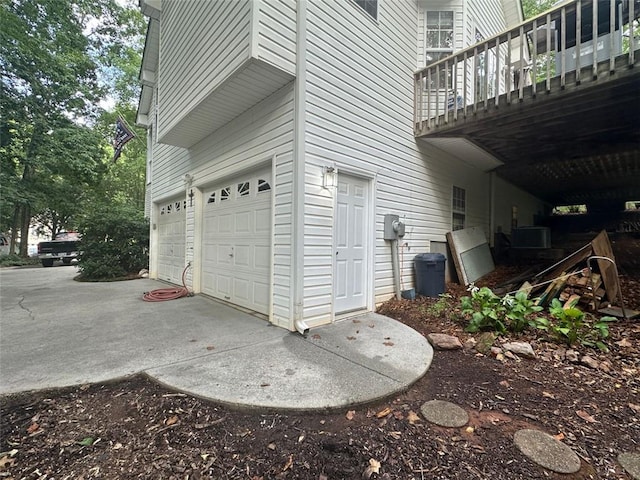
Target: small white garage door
(236, 241)
(171, 239)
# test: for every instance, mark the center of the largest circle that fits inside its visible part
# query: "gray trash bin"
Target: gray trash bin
(429, 274)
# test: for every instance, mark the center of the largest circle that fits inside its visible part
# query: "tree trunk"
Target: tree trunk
(24, 230)
(15, 221)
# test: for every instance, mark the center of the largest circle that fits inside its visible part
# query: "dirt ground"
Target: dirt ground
(134, 428)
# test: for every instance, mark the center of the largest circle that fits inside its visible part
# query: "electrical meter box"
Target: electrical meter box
(393, 227)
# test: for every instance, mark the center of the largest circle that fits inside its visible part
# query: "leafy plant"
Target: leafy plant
(521, 312)
(516, 313)
(574, 326)
(440, 306)
(487, 310)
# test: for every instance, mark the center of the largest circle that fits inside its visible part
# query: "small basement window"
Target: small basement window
(369, 6)
(458, 208)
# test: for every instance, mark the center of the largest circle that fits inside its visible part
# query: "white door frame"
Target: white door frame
(370, 235)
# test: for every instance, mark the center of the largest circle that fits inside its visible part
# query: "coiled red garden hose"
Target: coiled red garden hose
(171, 293)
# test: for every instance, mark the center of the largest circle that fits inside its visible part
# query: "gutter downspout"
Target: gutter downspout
(298, 167)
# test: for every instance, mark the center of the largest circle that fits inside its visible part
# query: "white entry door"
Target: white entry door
(236, 241)
(171, 240)
(351, 284)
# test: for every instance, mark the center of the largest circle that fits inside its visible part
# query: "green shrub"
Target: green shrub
(115, 243)
(17, 261)
(572, 326)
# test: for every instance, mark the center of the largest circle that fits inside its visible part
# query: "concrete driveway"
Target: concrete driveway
(57, 332)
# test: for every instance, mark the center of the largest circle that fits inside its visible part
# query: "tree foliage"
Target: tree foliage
(531, 8)
(60, 61)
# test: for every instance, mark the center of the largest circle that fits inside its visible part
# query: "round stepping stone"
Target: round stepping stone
(631, 463)
(445, 414)
(546, 451)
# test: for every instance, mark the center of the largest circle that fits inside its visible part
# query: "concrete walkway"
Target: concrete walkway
(56, 332)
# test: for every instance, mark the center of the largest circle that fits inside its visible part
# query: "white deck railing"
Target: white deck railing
(553, 50)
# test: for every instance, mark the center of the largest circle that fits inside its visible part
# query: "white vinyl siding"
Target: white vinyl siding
(277, 33)
(359, 118)
(198, 51)
(219, 58)
(252, 139)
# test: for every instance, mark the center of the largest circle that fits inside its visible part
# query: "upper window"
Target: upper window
(439, 44)
(369, 6)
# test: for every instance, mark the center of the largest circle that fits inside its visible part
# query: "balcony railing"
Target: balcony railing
(553, 50)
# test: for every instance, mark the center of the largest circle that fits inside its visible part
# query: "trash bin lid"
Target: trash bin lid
(430, 257)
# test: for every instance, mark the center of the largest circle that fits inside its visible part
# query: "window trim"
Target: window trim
(439, 50)
(456, 210)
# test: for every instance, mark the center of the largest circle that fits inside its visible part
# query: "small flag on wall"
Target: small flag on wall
(123, 135)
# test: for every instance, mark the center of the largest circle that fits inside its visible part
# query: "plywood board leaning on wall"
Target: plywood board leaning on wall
(471, 254)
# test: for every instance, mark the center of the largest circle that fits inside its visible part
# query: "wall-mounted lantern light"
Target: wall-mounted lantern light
(329, 177)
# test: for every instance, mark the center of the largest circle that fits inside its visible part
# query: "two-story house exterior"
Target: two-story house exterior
(280, 133)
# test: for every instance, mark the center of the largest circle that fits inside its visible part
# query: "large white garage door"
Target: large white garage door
(171, 233)
(236, 241)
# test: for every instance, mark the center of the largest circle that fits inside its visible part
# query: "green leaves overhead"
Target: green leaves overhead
(60, 60)
(45, 57)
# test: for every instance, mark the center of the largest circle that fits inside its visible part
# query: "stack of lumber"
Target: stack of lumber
(584, 290)
(579, 279)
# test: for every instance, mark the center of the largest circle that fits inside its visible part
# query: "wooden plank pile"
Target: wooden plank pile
(587, 278)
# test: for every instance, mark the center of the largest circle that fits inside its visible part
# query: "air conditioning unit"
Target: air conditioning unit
(531, 237)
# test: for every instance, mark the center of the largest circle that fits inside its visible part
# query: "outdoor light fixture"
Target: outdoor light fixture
(329, 177)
